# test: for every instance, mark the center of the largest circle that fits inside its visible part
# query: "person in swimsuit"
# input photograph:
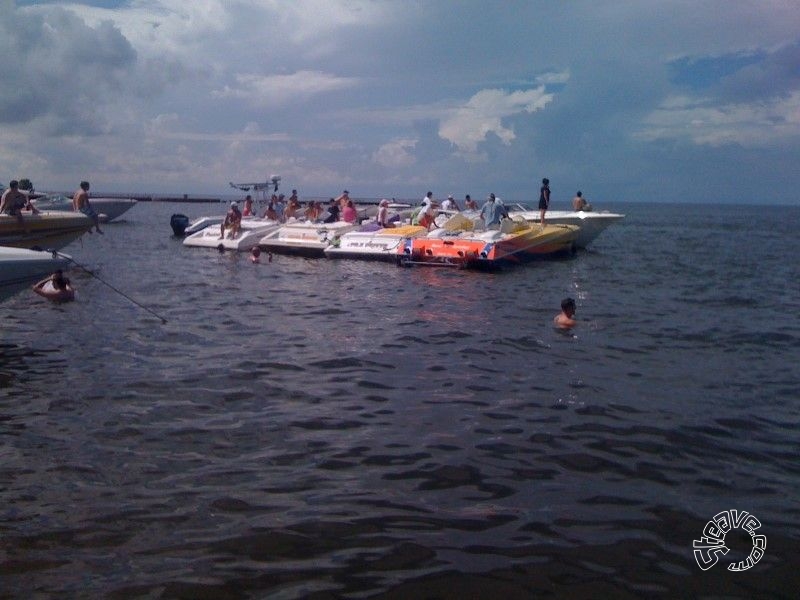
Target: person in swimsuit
(233, 221)
(56, 288)
(80, 202)
(564, 319)
(248, 206)
(13, 201)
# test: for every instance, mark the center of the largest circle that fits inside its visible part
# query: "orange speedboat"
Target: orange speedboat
(515, 242)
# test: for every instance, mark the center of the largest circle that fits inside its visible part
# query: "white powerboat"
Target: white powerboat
(249, 235)
(107, 209)
(202, 222)
(380, 244)
(20, 268)
(305, 238)
(590, 224)
(49, 230)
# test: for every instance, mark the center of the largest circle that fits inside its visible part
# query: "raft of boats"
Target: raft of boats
(459, 238)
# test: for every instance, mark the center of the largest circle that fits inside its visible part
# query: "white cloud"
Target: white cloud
(397, 153)
(553, 78)
(275, 90)
(750, 125)
(483, 114)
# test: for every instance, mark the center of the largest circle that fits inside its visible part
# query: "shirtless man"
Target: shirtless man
(579, 203)
(564, 320)
(13, 201)
(80, 202)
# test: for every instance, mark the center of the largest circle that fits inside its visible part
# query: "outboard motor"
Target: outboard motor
(179, 223)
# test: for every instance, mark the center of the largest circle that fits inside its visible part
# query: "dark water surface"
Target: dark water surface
(335, 429)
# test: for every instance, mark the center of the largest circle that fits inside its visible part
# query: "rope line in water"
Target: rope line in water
(104, 282)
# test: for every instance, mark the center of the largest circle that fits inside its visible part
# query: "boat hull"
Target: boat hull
(251, 231)
(107, 208)
(21, 268)
(304, 239)
(590, 224)
(382, 244)
(49, 230)
(489, 249)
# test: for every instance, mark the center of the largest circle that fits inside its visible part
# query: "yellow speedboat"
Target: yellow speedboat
(50, 230)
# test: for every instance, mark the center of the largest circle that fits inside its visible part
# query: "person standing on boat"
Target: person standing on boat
(248, 206)
(80, 202)
(469, 203)
(426, 216)
(280, 208)
(233, 221)
(493, 211)
(544, 199)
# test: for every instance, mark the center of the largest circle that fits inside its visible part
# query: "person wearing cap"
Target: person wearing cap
(233, 221)
(427, 212)
(544, 199)
(382, 218)
(450, 204)
(493, 211)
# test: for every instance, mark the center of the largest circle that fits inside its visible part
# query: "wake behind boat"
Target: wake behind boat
(20, 267)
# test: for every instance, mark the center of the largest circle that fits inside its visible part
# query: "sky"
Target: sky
(625, 100)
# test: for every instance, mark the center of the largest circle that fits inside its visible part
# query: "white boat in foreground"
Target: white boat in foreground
(305, 238)
(250, 232)
(21, 268)
(381, 244)
(590, 224)
(107, 209)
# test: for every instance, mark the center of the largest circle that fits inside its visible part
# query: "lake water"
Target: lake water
(336, 429)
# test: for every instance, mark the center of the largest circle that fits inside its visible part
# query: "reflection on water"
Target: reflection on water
(344, 429)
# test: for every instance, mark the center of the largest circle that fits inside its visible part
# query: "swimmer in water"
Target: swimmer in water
(564, 320)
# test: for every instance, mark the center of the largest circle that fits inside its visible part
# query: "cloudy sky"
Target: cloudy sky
(664, 100)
